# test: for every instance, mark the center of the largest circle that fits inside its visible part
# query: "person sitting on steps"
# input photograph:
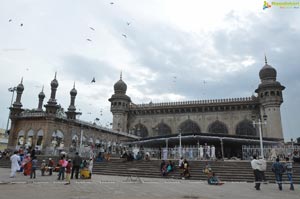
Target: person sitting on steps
(214, 180)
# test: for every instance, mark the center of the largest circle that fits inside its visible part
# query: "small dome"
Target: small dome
(54, 83)
(20, 87)
(73, 92)
(120, 87)
(267, 72)
(42, 94)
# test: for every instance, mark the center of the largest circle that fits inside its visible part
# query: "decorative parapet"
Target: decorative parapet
(32, 114)
(252, 99)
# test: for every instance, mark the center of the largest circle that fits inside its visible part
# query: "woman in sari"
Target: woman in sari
(26, 164)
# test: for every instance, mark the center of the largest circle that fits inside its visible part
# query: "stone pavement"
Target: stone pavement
(101, 186)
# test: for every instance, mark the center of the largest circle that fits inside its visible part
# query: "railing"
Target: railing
(270, 153)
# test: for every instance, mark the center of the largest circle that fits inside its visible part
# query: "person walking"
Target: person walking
(68, 172)
(278, 169)
(76, 165)
(288, 166)
(262, 168)
(33, 168)
(62, 166)
(15, 159)
(255, 164)
(91, 164)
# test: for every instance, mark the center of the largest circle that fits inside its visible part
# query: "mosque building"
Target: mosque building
(227, 122)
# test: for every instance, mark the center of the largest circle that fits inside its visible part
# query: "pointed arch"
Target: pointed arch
(189, 126)
(21, 135)
(39, 137)
(57, 138)
(140, 130)
(245, 127)
(163, 129)
(30, 133)
(29, 138)
(218, 127)
(75, 139)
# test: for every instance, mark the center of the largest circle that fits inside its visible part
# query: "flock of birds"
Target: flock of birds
(93, 29)
(124, 35)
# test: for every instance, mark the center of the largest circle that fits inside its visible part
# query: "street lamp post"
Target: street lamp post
(222, 148)
(11, 89)
(260, 123)
(292, 141)
(180, 143)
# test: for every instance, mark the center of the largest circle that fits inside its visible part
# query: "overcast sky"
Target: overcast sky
(174, 50)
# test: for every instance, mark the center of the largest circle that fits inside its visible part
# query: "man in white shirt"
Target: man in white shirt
(262, 168)
(15, 159)
(255, 164)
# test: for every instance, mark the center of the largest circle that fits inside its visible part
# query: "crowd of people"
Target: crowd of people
(66, 168)
(279, 168)
(27, 163)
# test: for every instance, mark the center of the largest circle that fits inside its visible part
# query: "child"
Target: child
(68, 172)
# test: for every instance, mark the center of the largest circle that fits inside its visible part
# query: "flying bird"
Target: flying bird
(92, 28)
(93, 80)
(128, 23)
(111, 3)
(10, 20)
(125, 36)
(88, 39)
(21, 24)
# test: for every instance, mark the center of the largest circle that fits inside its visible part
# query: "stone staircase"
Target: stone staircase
(228, 171)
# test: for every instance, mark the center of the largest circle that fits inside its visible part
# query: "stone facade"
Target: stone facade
(220, 116)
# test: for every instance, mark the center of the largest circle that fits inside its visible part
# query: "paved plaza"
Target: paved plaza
(101, 186)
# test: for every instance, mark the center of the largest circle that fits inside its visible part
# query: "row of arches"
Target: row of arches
(30, 138)
(27, 138)
(244, 127)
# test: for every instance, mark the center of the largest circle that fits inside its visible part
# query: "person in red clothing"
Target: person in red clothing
(26, 164)
(68, 172)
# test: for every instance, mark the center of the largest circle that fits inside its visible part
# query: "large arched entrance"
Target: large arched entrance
(163, 129)
(245, 127)
(189, 126)
(140, 130)
(218, 127)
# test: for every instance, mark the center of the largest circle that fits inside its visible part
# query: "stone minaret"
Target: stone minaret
(120, 106)
(20, 89)
(71, 113)
(16, 107)
(41, 100)
(270, 97)
(51, 106)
